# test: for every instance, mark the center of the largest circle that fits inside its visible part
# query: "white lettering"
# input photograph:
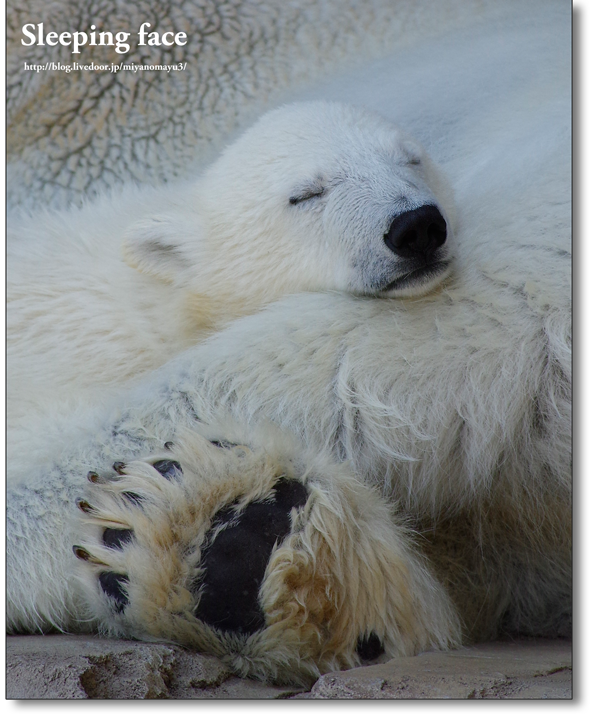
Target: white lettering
(142, 32)
(29, 34)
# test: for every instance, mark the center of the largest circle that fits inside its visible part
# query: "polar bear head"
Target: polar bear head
(315, 196)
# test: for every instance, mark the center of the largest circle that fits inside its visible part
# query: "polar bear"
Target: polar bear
(451, 409)
(315, 196)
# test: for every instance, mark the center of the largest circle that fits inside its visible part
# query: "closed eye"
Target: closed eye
(297, 199)
(311, 190)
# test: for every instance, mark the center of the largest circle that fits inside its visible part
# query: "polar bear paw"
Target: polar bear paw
(282, 571)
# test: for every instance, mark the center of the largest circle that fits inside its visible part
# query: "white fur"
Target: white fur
(456, 405)
(100, 295)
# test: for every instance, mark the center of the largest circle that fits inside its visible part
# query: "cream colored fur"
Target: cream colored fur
(99, 296)
(346, 570)
(455, 406)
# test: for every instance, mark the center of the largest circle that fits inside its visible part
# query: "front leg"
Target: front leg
(42, 591)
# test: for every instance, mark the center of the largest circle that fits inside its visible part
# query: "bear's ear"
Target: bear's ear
(155, 246)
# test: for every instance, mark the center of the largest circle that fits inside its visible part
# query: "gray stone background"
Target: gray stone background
(82, 667)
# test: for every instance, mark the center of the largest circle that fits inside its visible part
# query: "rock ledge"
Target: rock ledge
(80, 667)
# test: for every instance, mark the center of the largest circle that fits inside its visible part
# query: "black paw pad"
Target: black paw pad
(116, 538)
(369, 647)
(235, 558)
(132, 498)
(169, 469)
(113, 585)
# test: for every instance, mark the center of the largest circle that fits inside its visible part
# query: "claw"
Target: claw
(169, 445)
(83, 505)
(85, 555)
(81, 553)
(118, 466)
(95, 478)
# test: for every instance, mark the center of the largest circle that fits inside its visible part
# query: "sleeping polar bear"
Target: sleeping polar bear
(455, 406)
(316, 196)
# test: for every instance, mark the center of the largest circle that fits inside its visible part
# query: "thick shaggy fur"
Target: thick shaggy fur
(455, 406)
(344, 572)
(301, 202)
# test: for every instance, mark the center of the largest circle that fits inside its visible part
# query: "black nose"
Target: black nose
(417, 233)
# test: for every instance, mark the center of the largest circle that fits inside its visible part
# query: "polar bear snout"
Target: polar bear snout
(417, 234)
(419, 240)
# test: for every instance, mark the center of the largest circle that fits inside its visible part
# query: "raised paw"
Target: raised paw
(281, 573)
